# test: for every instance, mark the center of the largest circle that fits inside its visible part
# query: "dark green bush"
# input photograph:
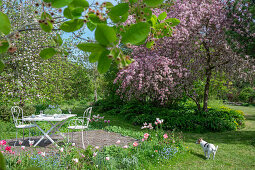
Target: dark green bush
(185, 118)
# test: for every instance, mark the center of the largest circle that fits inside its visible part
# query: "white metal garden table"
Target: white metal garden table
(56, 122)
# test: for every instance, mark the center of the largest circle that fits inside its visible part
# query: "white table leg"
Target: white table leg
(56, 129)
(46, 134)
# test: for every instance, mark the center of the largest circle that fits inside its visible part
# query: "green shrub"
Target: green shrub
(6, 115)
(247, 95)
(185, 117)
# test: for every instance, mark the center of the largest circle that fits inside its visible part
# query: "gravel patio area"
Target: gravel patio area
(92, 137)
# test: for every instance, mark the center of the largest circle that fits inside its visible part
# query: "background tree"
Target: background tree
(241, 31)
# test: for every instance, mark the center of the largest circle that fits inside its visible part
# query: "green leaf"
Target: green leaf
(2, 160)
(108, 5)
(68, 13)
(153, 3)
(105, 34)
(77, 12)
(94, 57)
(72, 25)
(117, 19)
(60, 3)
(91, 26)
(5, 26)
(104, 62)
(162, 16)
(46, 27)
(91, 47)
(47, 53)
(149, 44)
(173, 21)
(119, 9)
(4, 45)
(95, 19)
(1, 3)
(136, 33)
(154, 19)
(79, 4)
(58, 39)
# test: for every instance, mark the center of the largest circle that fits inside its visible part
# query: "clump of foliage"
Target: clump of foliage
(181, 117)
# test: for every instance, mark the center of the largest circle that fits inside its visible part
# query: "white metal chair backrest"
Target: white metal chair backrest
(87, 115)
(16, 113)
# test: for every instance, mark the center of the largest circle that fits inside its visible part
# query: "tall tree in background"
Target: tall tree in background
(241, 31)
(197, 48)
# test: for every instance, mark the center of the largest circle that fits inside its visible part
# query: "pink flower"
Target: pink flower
(118, 142)
(19, 161)
(2, 142)
(135, 144)
(83, 155)
(23, 147)
(146, 135)
(61, 149)
(156, 123)
(156, 151)
(8, 148)
(73, 144)
(142, 139)
(12, 152)
(39, 153)
(125, 147)
(94, 154)
(20, 142)
(165, 136)
(107, 158)
(97, 147)
(2, 151)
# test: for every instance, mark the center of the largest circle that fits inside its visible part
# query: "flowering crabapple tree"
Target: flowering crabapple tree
(172, 65)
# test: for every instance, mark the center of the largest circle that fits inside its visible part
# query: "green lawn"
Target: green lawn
(235, 149)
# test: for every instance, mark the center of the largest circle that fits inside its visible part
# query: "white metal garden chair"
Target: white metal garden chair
(17, 113)
(80, 123)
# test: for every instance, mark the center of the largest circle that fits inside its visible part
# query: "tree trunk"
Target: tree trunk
(207, 87)
(95, 95)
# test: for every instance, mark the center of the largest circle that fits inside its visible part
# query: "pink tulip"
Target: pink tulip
(135, 144)
(142, 139)
(125, 147)
(165, 136)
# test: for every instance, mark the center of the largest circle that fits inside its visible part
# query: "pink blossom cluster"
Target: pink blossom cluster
(147, 126)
